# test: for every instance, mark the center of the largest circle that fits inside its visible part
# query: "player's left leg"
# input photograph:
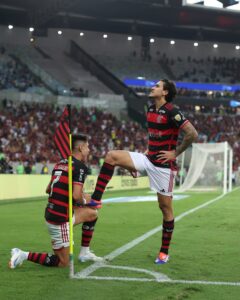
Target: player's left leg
(162, 181)
(87, 216)
(165, 204)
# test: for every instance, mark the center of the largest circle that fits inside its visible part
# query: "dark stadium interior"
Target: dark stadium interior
(143, 17)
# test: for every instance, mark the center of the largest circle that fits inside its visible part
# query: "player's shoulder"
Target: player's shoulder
(78, 164)
(151, 108)
(172, 109)
(169, 106)
(61, 164)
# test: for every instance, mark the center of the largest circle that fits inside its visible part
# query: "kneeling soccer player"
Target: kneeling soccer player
(56, 213)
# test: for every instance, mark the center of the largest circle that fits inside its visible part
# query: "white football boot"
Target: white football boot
(17, 258)
(88, 255)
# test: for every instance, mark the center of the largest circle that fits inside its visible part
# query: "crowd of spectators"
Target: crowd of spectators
(210, 69)
(5, 166)
(210, 109)
(14, 75)
(215, 127)
(26, 131)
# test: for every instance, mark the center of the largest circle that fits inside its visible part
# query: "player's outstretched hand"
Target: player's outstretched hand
(134, 174)
(166, 155)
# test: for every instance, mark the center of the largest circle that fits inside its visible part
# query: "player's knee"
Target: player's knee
(165, 208)
(111, 157)
(64, 263)
(92, 215)
(51, 260)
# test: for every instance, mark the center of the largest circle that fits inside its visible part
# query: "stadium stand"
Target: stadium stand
(132, 67)
(210, 69)
(27, 129)
(16, 76)
(67, 71)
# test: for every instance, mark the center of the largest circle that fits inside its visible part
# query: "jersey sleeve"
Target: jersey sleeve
(177, 118)
(79, 174)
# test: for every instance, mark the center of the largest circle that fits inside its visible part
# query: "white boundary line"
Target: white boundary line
(84, 274)
(161, 281)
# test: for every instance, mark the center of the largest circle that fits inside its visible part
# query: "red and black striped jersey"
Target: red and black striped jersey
(57, 208)
(163, 129)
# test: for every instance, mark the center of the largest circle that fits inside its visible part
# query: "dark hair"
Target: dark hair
(78, 138)
(171, 88)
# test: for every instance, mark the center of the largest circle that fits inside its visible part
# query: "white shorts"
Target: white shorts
(161, 179)
(59, 235)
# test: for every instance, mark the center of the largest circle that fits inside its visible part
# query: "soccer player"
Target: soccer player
(56, 212)
(159, 161)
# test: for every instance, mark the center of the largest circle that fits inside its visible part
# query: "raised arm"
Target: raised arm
(190, 135)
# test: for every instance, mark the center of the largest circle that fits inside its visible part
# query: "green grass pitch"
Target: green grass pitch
(205, 247)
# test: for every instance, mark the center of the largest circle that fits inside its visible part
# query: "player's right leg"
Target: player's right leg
(60, 243)
(18, 256)
(113, 158)
(120, 158)
(165, 204)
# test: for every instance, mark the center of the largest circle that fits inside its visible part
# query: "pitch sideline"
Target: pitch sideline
(85, 273)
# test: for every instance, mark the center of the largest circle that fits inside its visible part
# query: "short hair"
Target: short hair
(78, 138)
(171, 88)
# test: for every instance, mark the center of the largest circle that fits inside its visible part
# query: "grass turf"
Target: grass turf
(204, 247)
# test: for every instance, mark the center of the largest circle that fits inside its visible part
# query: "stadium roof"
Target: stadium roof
(160, 18)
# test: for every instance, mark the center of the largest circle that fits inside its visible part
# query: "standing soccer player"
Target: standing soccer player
(159, 161)
(57, 212)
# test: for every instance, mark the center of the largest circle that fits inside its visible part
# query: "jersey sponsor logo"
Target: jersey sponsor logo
(62, 167)
(162, 111)
(57, 173)
(157, 134)
(178, 117)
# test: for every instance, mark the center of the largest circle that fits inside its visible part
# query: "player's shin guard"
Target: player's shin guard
(87, 232)
(45, 259)
(168, 227)
(104, 177)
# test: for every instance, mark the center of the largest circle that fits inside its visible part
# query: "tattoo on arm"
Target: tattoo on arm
(190, 135)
